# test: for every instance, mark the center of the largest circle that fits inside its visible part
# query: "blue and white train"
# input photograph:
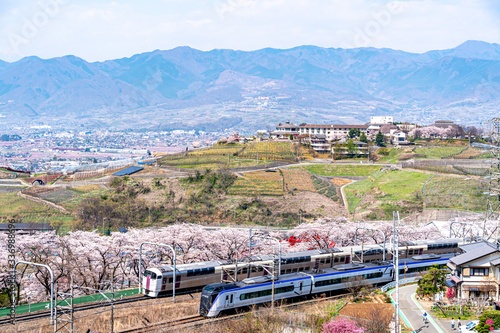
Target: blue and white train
(221, 297)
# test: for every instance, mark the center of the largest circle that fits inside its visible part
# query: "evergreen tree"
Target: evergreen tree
(363, 138)
(432, 282)
(379, 139)
(351, 148)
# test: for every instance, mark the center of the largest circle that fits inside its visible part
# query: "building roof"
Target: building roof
(333, 126)
(128, 171)
(387, 128)
(474, 253)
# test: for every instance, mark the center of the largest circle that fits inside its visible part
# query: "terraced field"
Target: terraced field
(258, 183)
(297, 180)
(326, 188)
(269, 150)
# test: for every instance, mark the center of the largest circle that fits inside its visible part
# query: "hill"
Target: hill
(184, 88)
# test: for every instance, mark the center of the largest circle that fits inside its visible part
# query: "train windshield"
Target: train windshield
(149, 273)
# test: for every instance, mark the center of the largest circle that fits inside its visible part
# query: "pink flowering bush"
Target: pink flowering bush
(342, 325)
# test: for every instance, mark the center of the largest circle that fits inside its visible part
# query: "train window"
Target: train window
(244, 270)
(211, 270)
(149, 273)
(254, 269)
(288, 271)
(336, 259)
(282, 271)
(204, 271)
(231, 301)
(164, 281)
(307, 268)
(261, 269)
(328, 260)
(322, 261)
(342, 259)
(295, 270)
(301, 269)
(190, 273)
(300, 288)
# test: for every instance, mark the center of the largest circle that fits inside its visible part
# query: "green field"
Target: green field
(460, 193)
(385, 191)
(438, 152)
(341, 170)
(26, 211)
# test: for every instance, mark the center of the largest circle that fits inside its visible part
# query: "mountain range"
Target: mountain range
(185, 88)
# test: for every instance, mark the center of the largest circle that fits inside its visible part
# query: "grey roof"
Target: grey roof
(128, 171)
(471, 246)
(495, 262)
(474, 253)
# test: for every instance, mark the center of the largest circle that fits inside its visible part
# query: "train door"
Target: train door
(347, 259)
(316, 264)
(229, 301)
(177, 281)
(421, 251)
(148, 281)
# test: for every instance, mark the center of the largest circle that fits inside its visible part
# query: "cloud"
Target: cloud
(99, 30)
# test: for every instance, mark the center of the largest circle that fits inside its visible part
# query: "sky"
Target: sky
(98, 30)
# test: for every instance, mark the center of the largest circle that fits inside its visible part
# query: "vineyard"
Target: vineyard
(237, 155)
(269, 150)
(26, 211)
(264, 183)
(297, 180)
(326, 188)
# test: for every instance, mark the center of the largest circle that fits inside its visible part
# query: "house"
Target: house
(319, 143)
(443, 123)
(284, 130)
(399, 138)
(388, 130)
(476, 272)
(360, 148)
(331, 132)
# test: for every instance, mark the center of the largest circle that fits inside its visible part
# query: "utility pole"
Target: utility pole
(396, 268)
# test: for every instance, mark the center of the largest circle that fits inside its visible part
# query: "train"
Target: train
(158, 281)
(219, 298)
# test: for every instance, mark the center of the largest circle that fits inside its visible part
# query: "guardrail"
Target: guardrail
(401, 282)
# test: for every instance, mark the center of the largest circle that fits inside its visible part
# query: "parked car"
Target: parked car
(469, 327)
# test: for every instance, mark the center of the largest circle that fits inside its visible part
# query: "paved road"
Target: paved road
(412, 312)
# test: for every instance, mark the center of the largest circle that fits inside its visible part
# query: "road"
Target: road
(412, 312)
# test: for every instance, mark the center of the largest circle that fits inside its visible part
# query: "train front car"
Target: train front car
(152, 282)
(209, 295)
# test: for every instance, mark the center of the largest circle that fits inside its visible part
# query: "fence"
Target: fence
(401, 282)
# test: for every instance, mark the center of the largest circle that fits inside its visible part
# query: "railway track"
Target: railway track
(194, 321)
(89, 306)
(178, 323)
(46, 313)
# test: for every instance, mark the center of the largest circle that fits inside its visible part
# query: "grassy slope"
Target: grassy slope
(401, 190)
(341, 170)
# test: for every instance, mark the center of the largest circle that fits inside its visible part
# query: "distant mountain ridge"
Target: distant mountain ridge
(185, 87)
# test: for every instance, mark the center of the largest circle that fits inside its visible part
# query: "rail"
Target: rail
(401, 282)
